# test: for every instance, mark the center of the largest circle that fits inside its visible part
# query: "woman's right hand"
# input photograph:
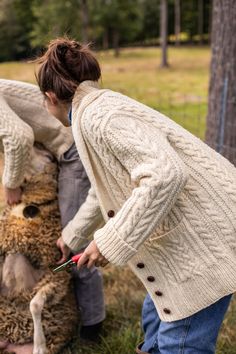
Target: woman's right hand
(12, 195)
(65, 250)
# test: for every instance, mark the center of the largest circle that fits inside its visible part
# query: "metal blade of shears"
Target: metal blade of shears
(62, 266)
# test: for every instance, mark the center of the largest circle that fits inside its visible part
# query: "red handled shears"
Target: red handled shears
(68, 264)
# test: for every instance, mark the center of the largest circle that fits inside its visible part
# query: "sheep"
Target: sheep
(37, 307)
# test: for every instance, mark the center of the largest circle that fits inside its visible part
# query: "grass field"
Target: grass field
(181, 92)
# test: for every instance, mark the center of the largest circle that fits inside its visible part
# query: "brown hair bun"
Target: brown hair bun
(65, 64)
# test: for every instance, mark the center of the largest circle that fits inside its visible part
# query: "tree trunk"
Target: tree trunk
(200, 21)
(177, 22)
(163, 33)
(85, 21)
(221, 119)
(105, 40)
(115, 41)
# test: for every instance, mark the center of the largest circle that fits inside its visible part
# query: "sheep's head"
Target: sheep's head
(33, 226)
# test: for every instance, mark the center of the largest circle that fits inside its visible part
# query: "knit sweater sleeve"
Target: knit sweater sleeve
(158, 173)
(84, 223)
(17, 140)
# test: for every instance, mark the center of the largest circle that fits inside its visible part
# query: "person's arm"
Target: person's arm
(12, 195)
(17, 139)
(84, 223)
(155, 168)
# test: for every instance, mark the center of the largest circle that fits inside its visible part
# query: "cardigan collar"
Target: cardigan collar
(83, 90)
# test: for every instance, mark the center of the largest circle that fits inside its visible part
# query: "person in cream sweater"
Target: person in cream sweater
(167, 200)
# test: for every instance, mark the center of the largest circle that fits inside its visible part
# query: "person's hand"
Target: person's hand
(65, 250)
(12, 195)
(92, 257)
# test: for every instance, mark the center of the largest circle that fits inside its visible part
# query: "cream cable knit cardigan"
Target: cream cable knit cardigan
(168, 200)
(23, 120)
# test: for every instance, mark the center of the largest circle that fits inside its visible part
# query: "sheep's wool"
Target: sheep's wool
(169, 201)
(23, 120)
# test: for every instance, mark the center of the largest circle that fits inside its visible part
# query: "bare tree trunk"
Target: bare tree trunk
(221, 119)
(84, 20)
(105, 41)
(163, 33)
(177, 22)
(115, 41)
(200, 21)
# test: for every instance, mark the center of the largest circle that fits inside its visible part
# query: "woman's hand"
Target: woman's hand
(92, 257)
(12, 195)
(65, 250)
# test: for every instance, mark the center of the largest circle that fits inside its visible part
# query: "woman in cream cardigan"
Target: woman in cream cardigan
(166, 200)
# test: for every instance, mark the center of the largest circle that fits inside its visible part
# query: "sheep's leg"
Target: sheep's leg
(36, 307)
(3, 344)
(46, 289)
(19, 349)
(18, 275)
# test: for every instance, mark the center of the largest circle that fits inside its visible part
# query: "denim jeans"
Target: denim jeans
(73, 186)
(193, 335)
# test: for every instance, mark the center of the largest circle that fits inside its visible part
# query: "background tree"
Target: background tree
(163, 32)
(177, 22)
(189, 18)
(200, 21)
(221, 119)
(16, 22)
(84, 21)
(120, 20)
(29, 24)
(55, 18)
(151, 20)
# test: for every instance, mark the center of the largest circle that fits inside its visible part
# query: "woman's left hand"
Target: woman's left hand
(92, 257)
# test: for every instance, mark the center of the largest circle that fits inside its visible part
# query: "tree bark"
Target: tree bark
(177, 22)
(116, 40)
(200, 21)
(105, 40)
(163, 33)
(85, 21)
(221, 119)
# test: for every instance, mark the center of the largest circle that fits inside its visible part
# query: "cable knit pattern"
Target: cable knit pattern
(91, 221)
(23, 120)
(173, 201)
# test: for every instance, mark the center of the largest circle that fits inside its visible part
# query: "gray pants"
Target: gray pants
(73, 186)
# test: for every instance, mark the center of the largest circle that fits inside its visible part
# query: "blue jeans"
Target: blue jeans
(193, 335)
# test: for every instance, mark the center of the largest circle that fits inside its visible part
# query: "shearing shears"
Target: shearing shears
(68, 264)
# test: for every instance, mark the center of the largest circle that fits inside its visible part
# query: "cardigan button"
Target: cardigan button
(111, 213)
(140, 265)
(158, 293)
(167, 311)
(150, 278)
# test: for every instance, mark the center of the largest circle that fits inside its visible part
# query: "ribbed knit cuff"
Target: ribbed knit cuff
(74, 242)
(12, 183)
(112, 247)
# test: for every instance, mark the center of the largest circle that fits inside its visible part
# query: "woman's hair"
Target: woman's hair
(65, 64)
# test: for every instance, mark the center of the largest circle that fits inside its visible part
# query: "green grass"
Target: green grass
(180, 92)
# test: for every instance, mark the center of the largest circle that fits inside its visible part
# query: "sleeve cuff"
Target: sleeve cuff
(12, 184)
(112, 247)
(74, 242)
